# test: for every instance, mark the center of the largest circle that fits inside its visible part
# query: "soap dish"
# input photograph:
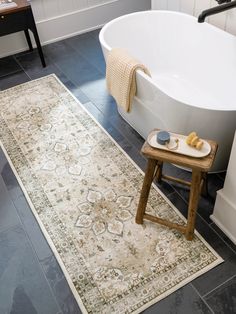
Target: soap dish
(182, 148)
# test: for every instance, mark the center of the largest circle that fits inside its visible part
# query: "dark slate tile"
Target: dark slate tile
(32, 228)
(84, 43)
(24, 288)
(3, 160)
(95, 33)
(222, 175)
(97, 93)
(98, 115)
(216, 276)
(127, 130)
(134, 155)
(89, 47)
(24, 212)
(59, 286)
(214, 239)
(32, 65)
(13, 79)
(75, 90)
(179, 203)
(9, 178)
(6, 171)
(175, 171)
(77, 69)
(22, 303)
(206, 203)
(58, 49)
(8, 213)
(184, 300)
(25, 52)
(223, 236)
(9, 65)
(223, 299)
(165, 187)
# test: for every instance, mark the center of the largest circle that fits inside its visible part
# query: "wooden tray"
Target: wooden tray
(183, 147)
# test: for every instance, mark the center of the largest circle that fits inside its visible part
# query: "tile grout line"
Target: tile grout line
(87, 59)
(19, 224)
(10, 73)
(22, 226)
(223, 283)
(220, 237)
(15, 58)
(234, 250)
(169, 194)
(209, 224)
(203, 300)
(222, 179)
(35, 252)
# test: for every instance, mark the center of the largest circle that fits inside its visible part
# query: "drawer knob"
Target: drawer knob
(2, 16)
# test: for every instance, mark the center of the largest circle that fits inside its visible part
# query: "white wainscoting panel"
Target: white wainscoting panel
(59, 19)
(187, 6)
(173, 5)
(225, 20)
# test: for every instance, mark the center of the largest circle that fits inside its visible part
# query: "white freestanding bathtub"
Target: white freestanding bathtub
(193, 67)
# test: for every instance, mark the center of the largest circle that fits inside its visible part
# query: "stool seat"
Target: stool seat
(199, 166)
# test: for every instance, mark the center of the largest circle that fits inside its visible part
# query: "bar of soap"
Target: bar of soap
(163, 137)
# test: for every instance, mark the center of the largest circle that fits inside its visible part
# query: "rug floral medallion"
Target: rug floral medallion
(84, 192)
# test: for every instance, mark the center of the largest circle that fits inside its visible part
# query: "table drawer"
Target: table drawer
(14, 22)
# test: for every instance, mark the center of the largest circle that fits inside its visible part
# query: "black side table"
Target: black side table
(21, 18)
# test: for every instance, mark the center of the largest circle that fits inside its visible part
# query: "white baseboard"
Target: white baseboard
(74, 23)
(224, 215)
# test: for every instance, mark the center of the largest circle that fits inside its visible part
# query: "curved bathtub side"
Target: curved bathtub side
(154, 109)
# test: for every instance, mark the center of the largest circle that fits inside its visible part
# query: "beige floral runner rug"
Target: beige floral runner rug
(84, 190)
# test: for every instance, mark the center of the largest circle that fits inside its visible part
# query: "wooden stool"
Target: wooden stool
(199, 166)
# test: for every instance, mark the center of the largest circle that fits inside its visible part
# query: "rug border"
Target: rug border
(218, 261)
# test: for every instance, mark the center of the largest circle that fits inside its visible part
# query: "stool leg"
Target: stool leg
(193, 203)
(148, 178)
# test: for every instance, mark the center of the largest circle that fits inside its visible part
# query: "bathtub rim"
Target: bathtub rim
(148, 78)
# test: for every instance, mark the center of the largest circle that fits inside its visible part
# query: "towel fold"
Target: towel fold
(121, 76)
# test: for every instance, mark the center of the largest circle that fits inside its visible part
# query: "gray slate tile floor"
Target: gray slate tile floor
(31, 281)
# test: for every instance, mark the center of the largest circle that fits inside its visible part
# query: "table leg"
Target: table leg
(193, 203)
(40, 51)
(27, 36)
(148, 178)
(33, 28)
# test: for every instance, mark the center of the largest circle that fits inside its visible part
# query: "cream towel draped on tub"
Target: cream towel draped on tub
(121, 76)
